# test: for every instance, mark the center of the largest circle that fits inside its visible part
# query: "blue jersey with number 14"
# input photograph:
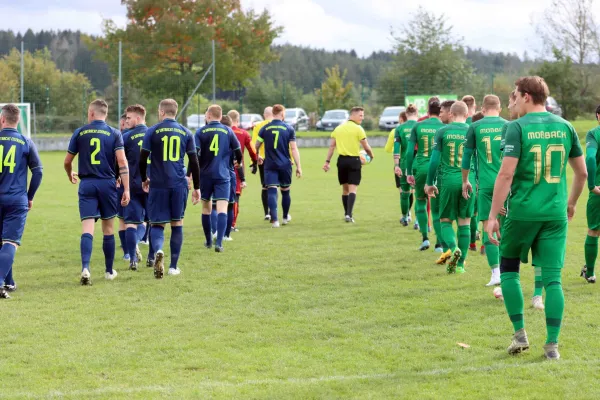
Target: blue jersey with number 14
(276, 137)
(168, 142)
(96, 144)
(216, 143)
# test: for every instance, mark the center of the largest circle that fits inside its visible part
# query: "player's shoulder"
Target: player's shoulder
(594, 132)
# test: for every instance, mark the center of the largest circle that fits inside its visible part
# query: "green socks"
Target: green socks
(448, 235)
(591, 253)
(555, 302)
(539, 285)
(474, 226)
(513, 298)
(421, 210)
(464, 237)
(435, 216)
(404, 203)
(491, 251)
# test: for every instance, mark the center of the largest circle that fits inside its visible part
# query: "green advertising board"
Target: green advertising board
(421, 100)
(24, 126)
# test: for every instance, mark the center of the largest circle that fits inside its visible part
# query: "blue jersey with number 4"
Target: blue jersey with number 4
(276, 137)
(216, 143)
(96, 144)
(168, 142)
(133, 140)
(17, 153)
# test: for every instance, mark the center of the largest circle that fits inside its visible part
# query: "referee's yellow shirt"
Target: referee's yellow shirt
(347, 138)
(389, 145)
(255, 131)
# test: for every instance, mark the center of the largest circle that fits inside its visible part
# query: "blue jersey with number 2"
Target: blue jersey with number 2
(96, 144)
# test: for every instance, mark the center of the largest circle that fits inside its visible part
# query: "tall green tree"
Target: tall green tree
(429, 60)
(564, 83)
(334, 93)
(167, 45)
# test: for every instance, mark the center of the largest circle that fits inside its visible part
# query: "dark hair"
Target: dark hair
(226, 120)
(278, 109)
(477, 116)
(535, 86)
(447, 104)
(598, 110)
(434, 108)
(356, 109)
(403, 116)
(468, 100)
(137, 109)
(412, 109)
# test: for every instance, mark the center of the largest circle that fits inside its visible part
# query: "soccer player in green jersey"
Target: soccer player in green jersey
(422, 135)
(536, 149)
(401, 139)
(592, 161)
(483, 140)
(471, 105)
(447, 155)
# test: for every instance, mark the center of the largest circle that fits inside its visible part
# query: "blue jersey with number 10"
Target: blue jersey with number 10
(168, 142)
(216, 143)
(96, 144)
(276, 137)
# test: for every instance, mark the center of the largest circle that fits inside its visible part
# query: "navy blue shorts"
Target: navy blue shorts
(215, 190)
(135, 212)
(233, 183)
(147, 211)
(167, 205)
(120, 209)
(98, 198)
(278, 177)
(12, 221)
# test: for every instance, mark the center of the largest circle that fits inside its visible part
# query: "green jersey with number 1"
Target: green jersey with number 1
(423, 134)
(484, 137)
(450, 141)
(402, 136)
(542, 142)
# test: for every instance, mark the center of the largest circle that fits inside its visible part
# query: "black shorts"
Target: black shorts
(349, 170)
(261, 172)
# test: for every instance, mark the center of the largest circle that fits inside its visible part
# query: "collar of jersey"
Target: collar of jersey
(98, 121)
(11, 129)
(458, 123)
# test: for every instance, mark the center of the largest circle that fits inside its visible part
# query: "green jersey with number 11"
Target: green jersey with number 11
(484, 137)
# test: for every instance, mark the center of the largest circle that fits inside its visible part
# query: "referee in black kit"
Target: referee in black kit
(347, 139)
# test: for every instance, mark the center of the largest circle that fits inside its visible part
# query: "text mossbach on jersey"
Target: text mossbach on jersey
(547, 135)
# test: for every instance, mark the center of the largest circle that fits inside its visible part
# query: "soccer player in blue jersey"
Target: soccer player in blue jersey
(168, 142)
(215, 143)
(99, 146)
(278, 138)
(122, 227)
(135, 212)
(17, 154)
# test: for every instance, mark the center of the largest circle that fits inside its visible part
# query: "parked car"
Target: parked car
(553, 106)
(195, 121)
(297, 118)
(331, 119)
(390, 117)
(249, 120)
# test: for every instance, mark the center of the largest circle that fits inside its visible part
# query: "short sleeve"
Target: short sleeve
(190, 146)
(576, 150)
(361, 133)
(261, 134)
(512, 140)
(118, 141)
(470, 142)
(590, 140)
(33, 160)
(73, 148)
(147, 144)
(292, 134)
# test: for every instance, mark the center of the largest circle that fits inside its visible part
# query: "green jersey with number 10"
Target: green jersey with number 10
(542, 142)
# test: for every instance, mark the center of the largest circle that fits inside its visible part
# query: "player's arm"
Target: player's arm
(434, 162)
(296, 157)
(35, 166)
(410, 155)
(248, 145)
(591, 145)
(259, 142)
(577, 162)
(389, 145)
(364, 143)
(123, 169)
(469, 149)
(71, 153)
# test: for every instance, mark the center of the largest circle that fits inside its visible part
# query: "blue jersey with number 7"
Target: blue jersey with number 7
(276, 137)
(96, 144)
(215, 143)
(168, 142)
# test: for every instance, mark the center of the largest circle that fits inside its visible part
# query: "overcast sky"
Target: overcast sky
(331, 24)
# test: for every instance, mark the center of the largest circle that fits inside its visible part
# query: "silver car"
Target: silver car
(331, 119)
(195, 121)
(249, 120)
(389, 119)
(297, 118)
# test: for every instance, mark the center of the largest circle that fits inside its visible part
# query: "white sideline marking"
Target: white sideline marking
(297, 381)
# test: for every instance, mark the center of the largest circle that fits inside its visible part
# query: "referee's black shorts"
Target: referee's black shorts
(261, 172)
(349, 170)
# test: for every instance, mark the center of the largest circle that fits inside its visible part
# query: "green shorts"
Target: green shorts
(453, 205)
(593, 212)
(420, 181)
(484, 202)
(475, 203)
(547, 241)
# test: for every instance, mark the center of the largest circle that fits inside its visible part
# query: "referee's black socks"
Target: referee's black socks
(351, 200)
(345, 203)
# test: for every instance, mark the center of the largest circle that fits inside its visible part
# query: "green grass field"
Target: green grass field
(317, 309)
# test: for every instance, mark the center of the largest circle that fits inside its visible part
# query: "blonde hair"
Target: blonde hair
(459, 109)
(491, 102)
(215, 111)
(469, 101)
(99, 106)
(234, 115)
(169, 107)
(12, 113)
(137, 109)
